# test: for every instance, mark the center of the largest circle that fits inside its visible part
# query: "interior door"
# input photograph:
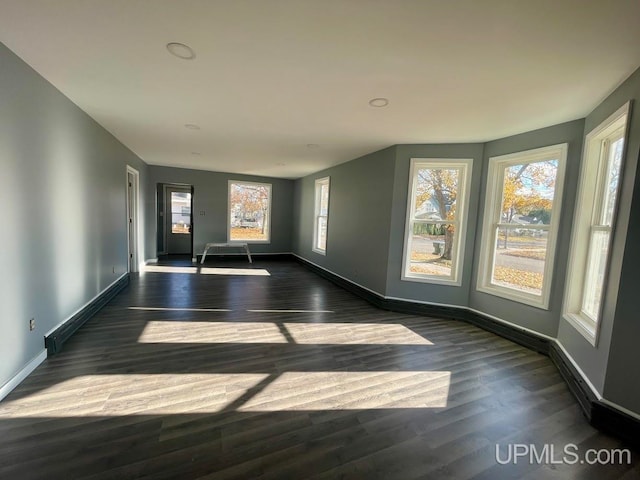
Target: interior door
(131, 220)
(178, 218)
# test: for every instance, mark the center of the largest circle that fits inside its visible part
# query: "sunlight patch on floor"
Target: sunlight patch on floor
(157, 331)
(352, 391)
(257, 272)
(354, 334)
(169, 269)
(130, 394)
(289, 310)
(211, 332)
(176, 309)
(181, 393)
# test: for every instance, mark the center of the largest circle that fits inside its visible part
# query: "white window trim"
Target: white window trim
(464, 189)
(242, 182)
(492, 209)
(591, 167)
(316, 213)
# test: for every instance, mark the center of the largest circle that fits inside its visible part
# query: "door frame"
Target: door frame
(133, 219)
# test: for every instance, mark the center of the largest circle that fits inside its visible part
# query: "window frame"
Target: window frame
(594, 168)
(268, 216)
(491, 223)
(319, 183)
(462, 200)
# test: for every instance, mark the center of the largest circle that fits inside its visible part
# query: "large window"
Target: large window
(249, 212)
(321, 216)
(521, 218)
(436, 220)
(593, 224)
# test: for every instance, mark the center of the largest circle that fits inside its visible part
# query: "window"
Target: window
(436, 220)
(521, 218)
(249, 212)
(593, 224)
(321, 216)
(180, 212)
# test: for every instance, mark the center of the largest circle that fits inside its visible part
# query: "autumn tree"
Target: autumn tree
(526, 189)
(440, 187)
(251, 202)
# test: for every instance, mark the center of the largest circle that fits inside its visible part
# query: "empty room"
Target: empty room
(318, 239)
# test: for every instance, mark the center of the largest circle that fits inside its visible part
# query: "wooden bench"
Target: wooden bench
(226, 245)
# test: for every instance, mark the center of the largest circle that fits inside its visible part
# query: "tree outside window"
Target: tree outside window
(435, 220)
(524, 194)
(249, 211)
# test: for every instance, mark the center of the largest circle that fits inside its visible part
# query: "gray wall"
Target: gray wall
(359, 218)
(611, 364)
(419, 291)
(539, 320)
(211, 196)
(64, 210)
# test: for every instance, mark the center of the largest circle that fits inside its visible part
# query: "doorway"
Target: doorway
(133, 185)
(175, 219)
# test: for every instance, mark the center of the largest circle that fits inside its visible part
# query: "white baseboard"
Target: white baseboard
(22, 374)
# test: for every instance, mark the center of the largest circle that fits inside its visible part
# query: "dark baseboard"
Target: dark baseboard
(616, 423)
(53, 342)
(519, 336)
(574, 381)
(600, 415)
(513, 333)
(351, 287)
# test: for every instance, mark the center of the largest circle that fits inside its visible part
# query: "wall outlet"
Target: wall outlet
(32, 324)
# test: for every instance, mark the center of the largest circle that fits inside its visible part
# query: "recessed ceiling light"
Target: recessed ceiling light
(312, 146)
(181, 50)
(379, 102)
(192, 126)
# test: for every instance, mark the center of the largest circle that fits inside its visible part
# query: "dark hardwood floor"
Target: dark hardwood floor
(269, 371)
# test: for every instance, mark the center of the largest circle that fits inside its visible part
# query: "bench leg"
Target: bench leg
(204, 255)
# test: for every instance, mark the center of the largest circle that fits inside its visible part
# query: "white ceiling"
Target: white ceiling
(272, 76)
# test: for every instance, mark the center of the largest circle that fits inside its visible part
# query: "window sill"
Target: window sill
(531, 300)
(430, 279)
(583, 327)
